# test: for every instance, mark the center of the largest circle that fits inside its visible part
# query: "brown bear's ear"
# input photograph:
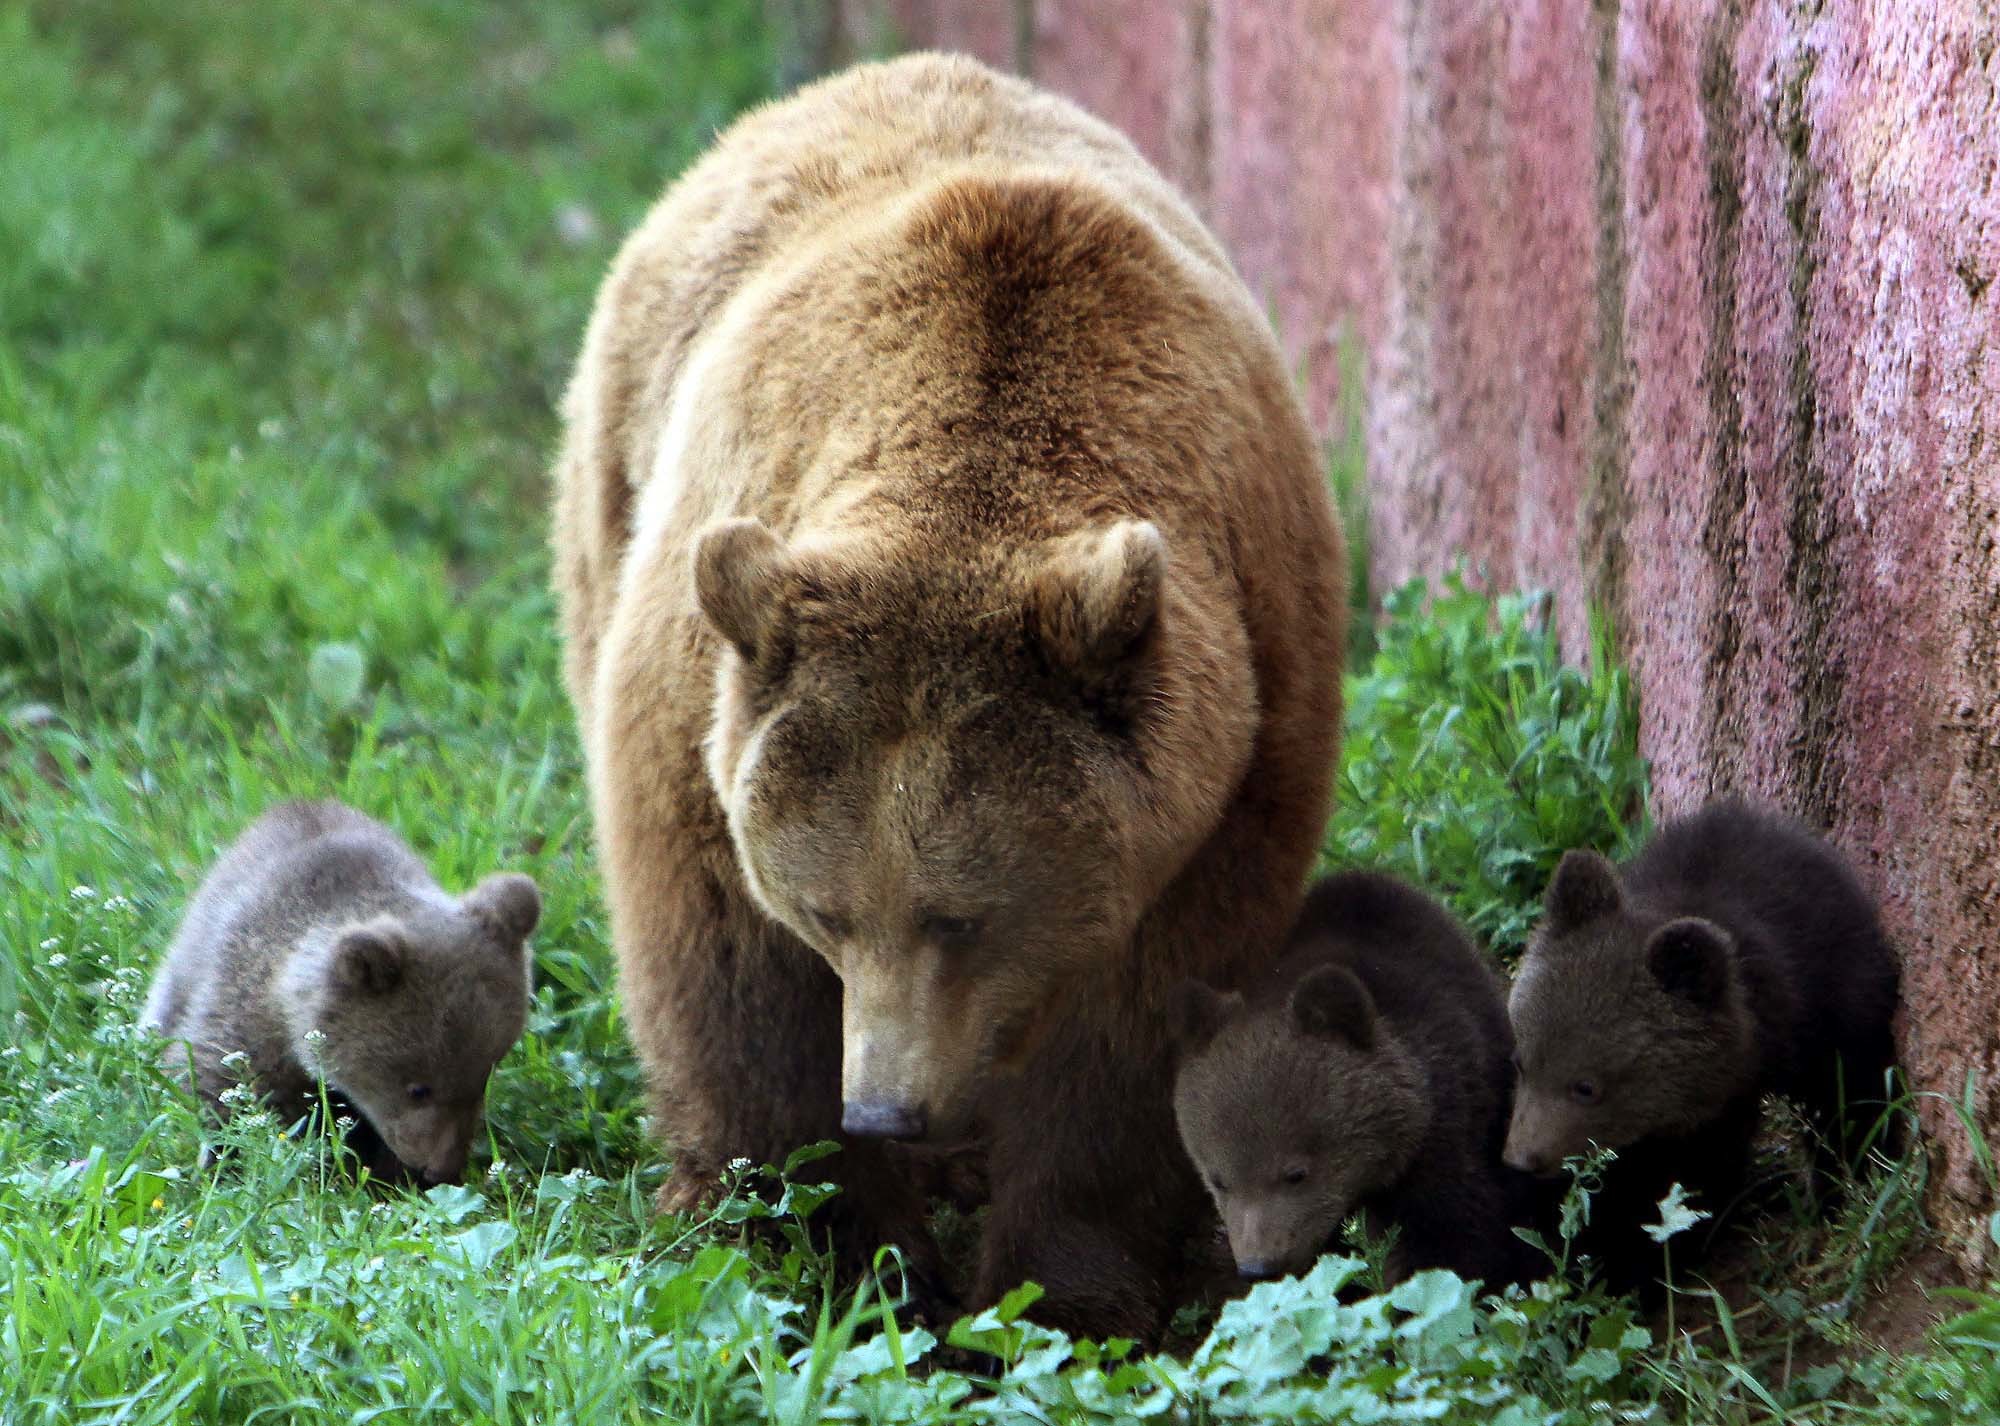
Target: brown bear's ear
(1332, 1003)
(1197, 1012)
(507, 904)
(368, 960)
(741, 575)
(1093, 603)
(1584, 888)
(1691, 958)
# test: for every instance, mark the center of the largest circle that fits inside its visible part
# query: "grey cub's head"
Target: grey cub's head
(1626, 1025)
(406, 1014)
(1294, 1113)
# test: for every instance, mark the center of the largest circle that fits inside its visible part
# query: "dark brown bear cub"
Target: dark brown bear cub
(1736, 956)
(320, 948)
(1368, 1074)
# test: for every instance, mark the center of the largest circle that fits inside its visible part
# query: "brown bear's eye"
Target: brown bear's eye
(1218, 1185)
(419, 1093)
(832, 926)
(1295, 1175)
(1585, 1091)
(952, 931)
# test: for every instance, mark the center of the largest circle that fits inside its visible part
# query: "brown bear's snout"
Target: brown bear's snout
(882, 1119)
(1256, 1270)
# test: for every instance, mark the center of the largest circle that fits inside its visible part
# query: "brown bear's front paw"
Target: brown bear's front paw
(688, 1191)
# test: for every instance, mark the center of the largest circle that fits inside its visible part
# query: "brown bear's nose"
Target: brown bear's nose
(874, 1119)
(1255, 1270)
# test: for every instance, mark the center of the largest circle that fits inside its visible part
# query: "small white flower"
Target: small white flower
(739, 1165)
(10, 1052)
(497, 1169)
(345, 1121)
(81, 892)
(235, 1062)
(316, 1041)
(51, 943)
(117, 903)
(58, 961)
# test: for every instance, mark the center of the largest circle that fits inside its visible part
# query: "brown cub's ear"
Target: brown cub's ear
(1691, 958)
(1584, 888)
(368, 960)
(507, 904)
(1092, 605)
(1197, 1012)
(1331, 1003)
(741, 571)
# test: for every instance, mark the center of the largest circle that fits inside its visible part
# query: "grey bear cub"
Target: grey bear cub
(321, 949)
(1366, 1074)
(1736, 955)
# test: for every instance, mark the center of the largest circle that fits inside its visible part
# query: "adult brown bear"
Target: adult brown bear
(954, 615)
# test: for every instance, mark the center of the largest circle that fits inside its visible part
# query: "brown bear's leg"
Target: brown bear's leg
(738, 1026)
(1092, 1197)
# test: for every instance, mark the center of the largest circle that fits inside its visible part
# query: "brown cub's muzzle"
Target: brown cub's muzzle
(1534, 1142)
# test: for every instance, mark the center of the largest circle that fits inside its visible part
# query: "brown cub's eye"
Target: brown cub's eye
(1218, 1185)
(1585, 1091)
(419, 1093)
(1295, 1176)
(952, 931)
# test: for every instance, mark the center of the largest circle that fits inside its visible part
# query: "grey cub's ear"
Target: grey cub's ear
(1098, 596)
(1197, 1012)
(741, 571)
(368, 960)
(1692, 958)
(1584, 888)
(1332, 1004)
(507, 903)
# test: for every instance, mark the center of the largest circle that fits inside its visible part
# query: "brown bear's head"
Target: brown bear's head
(1294, 1114)
(406, 1015)
(1626, 1025)
(961, 779)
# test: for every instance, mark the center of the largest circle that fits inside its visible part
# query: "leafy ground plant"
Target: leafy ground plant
(284, 312)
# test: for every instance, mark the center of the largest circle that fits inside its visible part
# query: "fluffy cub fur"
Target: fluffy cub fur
(321, 949)
(1736, 955)
(1368, 1074)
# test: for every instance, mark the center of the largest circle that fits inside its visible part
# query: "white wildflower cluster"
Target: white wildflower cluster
(236, 1063)
(118, 905)
(51, 943)
(343, 1122)
(739, 1165)
(498, 1169)
(58, 961)
(237, 1096)
(81, 892)
(123, 989)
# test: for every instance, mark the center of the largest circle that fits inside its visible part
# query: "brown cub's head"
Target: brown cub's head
(961, 778)
(1625, 1025)
(1294, 1114)
(407, 1014)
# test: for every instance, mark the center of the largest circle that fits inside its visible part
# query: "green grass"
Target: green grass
(285, 306)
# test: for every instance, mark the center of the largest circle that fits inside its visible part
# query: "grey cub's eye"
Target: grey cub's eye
(952, 931)
(1585, 1091)
(419, 1093)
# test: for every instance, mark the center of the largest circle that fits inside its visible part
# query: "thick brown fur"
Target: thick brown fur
(1737, 955)
(320, 948)
(953, 612)
(1367, 1075)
